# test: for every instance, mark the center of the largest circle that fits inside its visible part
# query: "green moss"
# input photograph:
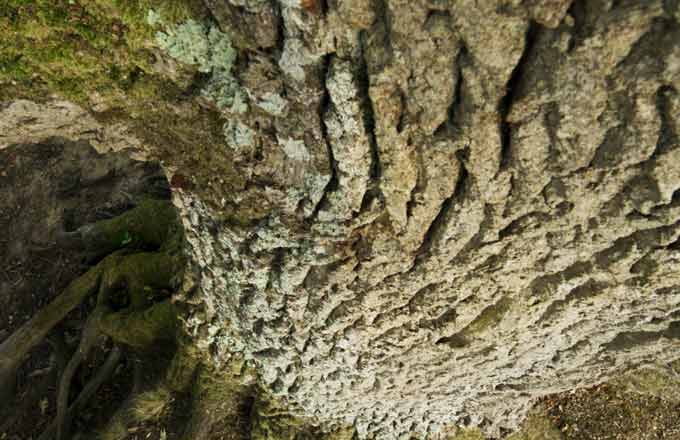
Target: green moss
(70, 48)
(141, 329)
(468, 434)
(537, 427)
(151, 223)
(271, 419)
(664, 383)
(489, 317)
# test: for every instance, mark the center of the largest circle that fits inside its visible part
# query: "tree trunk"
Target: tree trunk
(468, 205)
(420, 214)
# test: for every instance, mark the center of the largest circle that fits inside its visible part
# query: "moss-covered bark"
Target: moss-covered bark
(79, 48)
(140, 329)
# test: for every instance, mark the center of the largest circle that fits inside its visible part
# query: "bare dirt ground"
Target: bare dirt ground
(607, 412)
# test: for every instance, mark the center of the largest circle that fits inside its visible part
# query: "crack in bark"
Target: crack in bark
(324, 7)
(447, 126)
(324, 106)
(401, 120)
(609, 153)
(438, 223)
(457, 102)
(418, 187)
(590, 288)
(364, 84)
(276, 267)
(485, 319)
(280, 28)
(520, 224)
(551, 120)
(542, 286)
(444, 318)
(505, 103)
(667, 136)
(577, 11)
(642, 240)
(627, 340)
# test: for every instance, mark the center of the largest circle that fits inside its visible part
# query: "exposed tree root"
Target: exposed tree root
(91, 337)
(102, 375)
(16, 346)
(131, 308)
(149, 403)
(153, 224)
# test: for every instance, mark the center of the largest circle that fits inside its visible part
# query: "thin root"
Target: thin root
(90, 338)
(102, 375)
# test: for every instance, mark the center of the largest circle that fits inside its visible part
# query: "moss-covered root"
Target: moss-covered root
(137, 326)
(136, 272)
(141, 329)
(140, 274)
(151, 224)
(143, 276)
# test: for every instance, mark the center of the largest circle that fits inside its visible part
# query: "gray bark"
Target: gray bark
(450, 208)
(467, 205)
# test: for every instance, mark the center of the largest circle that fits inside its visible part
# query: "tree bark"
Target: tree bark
(420, 214)
(465, 206)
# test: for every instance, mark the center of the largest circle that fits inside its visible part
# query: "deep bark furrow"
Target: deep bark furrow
(439, 222)
(364, 81)
(324, 106)
(511, 90)
(668, 138)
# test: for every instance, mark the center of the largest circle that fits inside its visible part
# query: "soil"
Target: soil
(607, 412)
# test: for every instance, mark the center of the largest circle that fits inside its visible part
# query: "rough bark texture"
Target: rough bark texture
(446, 209)
(470, 205)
